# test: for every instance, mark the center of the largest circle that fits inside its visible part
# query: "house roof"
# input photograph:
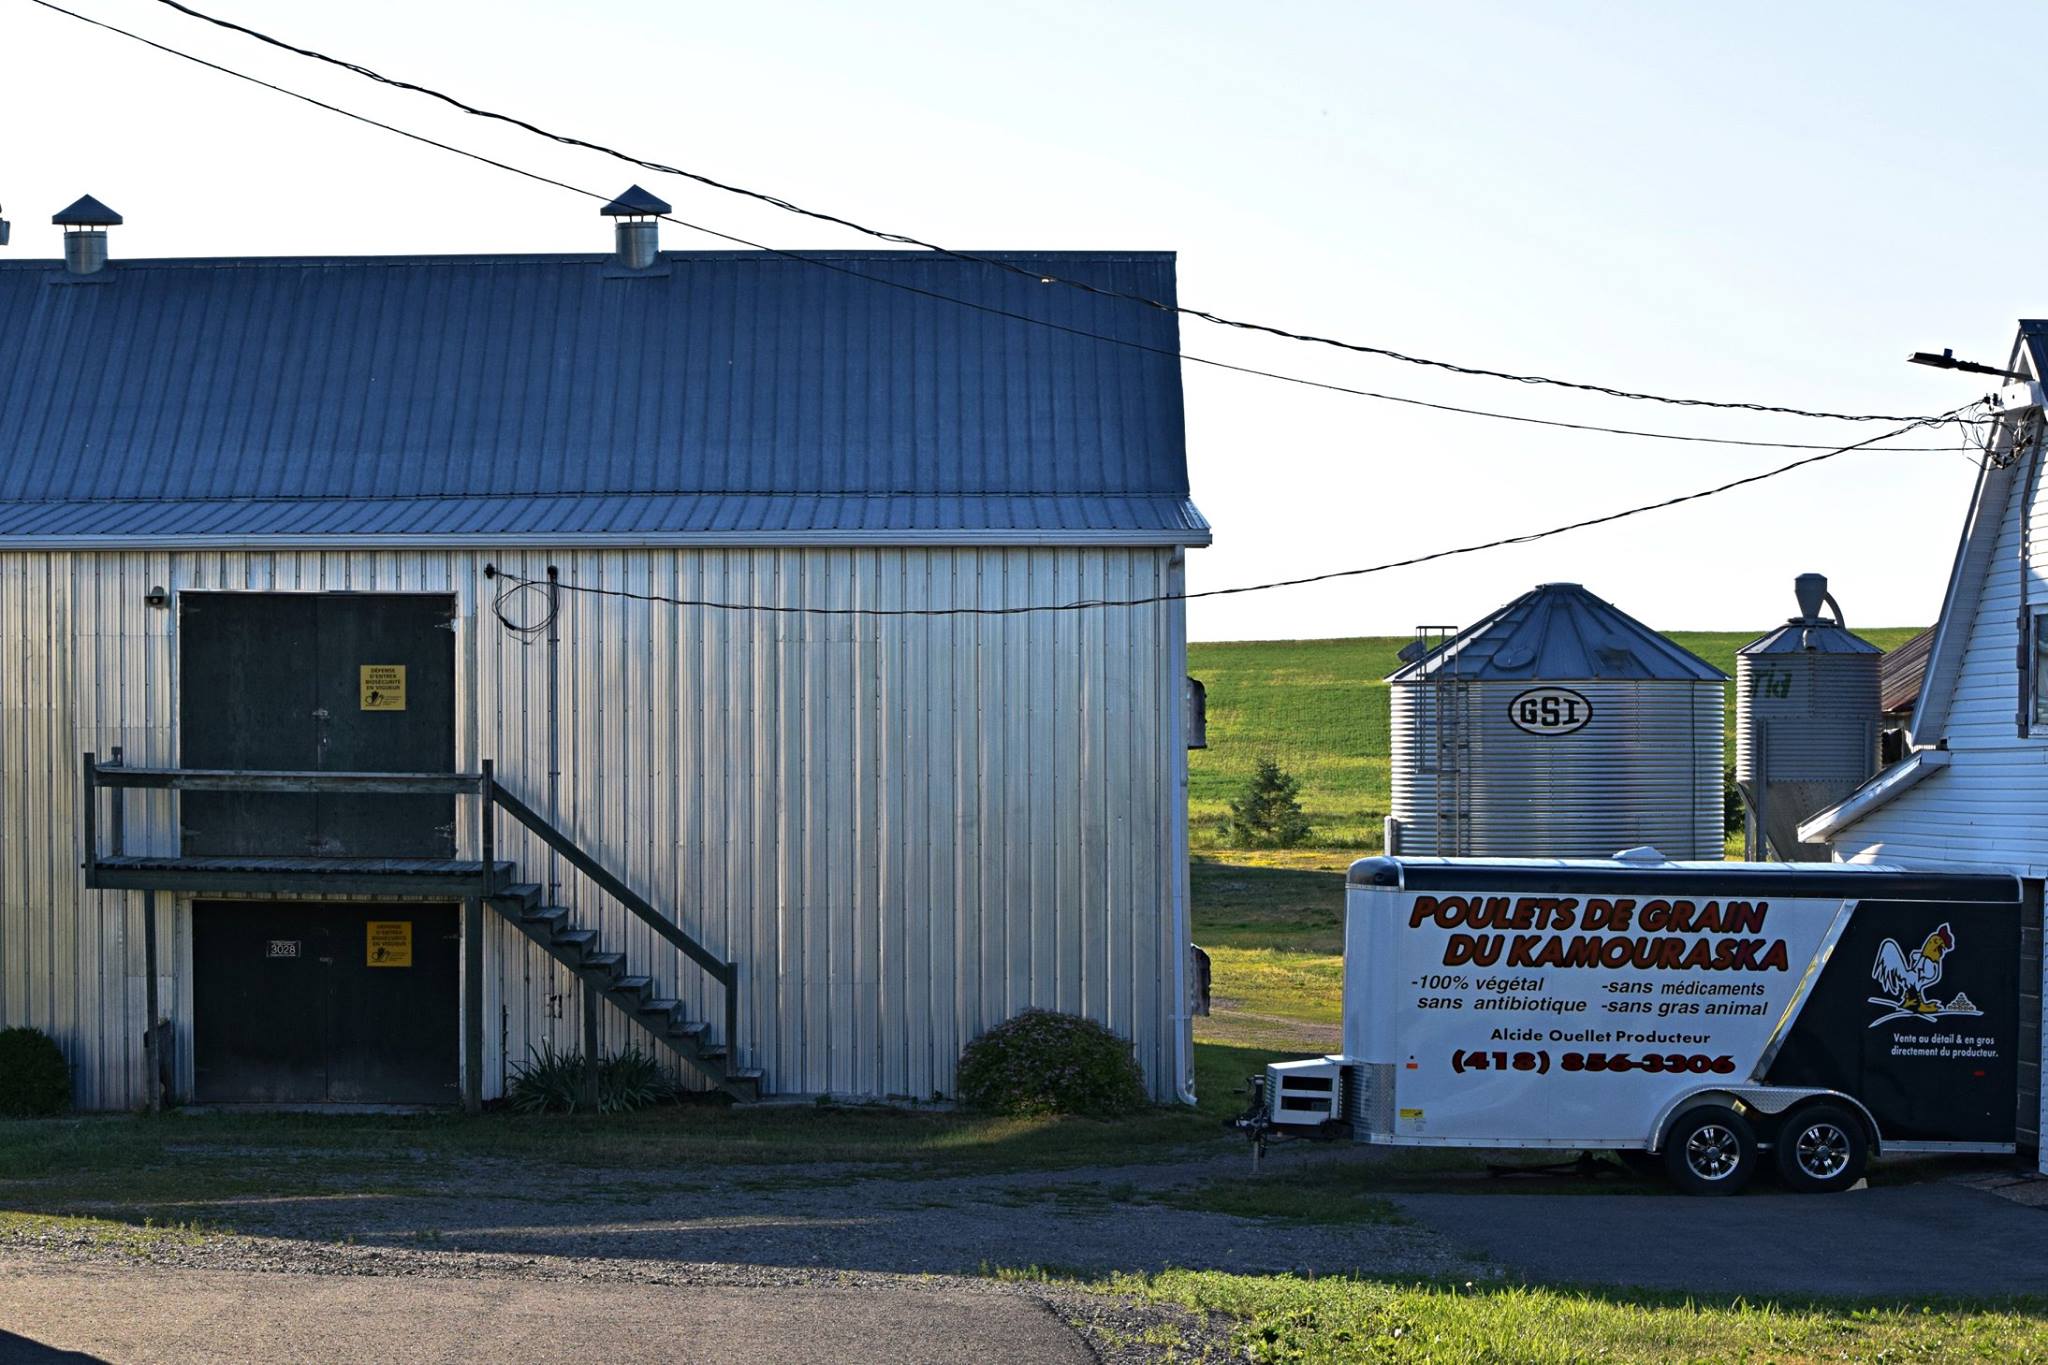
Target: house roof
(1559, 630)
(735, 396)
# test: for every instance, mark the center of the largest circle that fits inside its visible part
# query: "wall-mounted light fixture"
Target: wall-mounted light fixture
(157, 597)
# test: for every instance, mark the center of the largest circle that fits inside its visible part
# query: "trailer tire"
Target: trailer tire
(1822, 1149)
(1710, 1150)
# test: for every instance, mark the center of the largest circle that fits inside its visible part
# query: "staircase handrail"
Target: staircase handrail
(724, 972)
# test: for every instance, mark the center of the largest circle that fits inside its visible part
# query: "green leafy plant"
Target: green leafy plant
(553, 1083)
(1268, 813)
(1046, 1063)
(34, 1077)
(1733, 815)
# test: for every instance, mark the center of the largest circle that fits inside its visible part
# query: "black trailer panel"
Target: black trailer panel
(1915, 1014)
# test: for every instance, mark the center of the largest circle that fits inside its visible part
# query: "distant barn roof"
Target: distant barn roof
(739, 396)
(1560, 631)
(1901, 672)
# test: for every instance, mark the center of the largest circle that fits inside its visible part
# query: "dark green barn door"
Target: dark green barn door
(309, 1003)
(327, 682)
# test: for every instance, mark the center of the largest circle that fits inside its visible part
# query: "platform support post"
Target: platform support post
(473, 1005)
(151, 1047)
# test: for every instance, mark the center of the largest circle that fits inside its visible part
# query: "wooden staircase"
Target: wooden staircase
(580, 950)
(488, 880)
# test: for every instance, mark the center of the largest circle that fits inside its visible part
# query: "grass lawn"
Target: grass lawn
(1282, 1318)
(1319, 709)
(175, 1167)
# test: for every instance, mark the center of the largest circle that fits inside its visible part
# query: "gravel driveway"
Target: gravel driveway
(146, 1313)
(801, 1263)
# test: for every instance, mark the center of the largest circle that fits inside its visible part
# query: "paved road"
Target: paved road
(137, 1314)
(1908, 1241)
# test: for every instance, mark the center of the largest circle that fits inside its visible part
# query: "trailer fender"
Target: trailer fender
(1765, 1099)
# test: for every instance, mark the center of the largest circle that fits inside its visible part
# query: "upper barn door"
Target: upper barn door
(324, 682)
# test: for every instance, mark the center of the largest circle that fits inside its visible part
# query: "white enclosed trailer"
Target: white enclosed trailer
(1710, 1014)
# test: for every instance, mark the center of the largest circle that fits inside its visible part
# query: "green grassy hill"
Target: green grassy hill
(1319, 708)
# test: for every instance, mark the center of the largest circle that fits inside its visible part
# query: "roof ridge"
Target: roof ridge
(578, 258)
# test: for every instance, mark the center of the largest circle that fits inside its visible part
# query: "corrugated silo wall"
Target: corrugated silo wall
(1646, 769)
(904, 830)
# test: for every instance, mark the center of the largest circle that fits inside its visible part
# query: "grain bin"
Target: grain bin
(1806, 722)
(1559, 726)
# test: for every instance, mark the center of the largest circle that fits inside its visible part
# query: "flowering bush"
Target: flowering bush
(1046, 1063)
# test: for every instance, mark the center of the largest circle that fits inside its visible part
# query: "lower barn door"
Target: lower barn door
(306, 1003)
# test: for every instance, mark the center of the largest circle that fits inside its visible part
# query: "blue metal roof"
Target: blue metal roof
(734, 395)
(1560, 631)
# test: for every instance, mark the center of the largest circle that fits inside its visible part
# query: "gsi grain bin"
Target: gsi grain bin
(1806, 722)
(1556, 727)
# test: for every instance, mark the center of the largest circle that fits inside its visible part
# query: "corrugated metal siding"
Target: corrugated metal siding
(904, 830)
(1645, 770)
(728, 391)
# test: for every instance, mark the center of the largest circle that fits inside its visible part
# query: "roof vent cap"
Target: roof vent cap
(636, 240)
(1641, 855)
(85, 226)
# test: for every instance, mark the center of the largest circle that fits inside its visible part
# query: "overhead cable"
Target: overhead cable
(971, 304)
(906, 239)
(1102, 603)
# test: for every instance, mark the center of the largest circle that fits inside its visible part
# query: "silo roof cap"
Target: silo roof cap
(1806, 637)
(1560, 631)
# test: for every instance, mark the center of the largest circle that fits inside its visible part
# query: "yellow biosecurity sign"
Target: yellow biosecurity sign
(390, 943)
(383, 687)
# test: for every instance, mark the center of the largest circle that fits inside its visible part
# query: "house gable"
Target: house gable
(1986, 803)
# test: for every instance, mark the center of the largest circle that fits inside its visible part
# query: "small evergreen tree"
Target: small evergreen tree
(1268, 814)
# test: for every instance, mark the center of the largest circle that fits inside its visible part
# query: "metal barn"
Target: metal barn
(294, 766)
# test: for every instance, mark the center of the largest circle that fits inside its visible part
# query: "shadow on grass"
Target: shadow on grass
(134, 1168)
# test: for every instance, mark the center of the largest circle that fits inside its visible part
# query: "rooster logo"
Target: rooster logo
(1908, 977)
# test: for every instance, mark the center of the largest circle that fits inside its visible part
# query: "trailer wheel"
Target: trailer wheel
(1710, 1150)
(1821, 1149)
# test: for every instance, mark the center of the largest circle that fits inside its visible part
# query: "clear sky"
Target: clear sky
(1764, 202)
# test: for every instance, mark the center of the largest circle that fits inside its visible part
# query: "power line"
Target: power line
(976, 306)
(905, 239)
(1100, 603)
